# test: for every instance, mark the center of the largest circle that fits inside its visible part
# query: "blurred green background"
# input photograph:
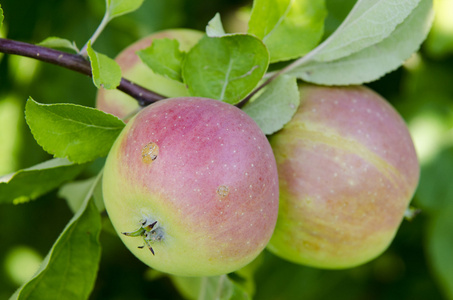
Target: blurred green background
(418, 264)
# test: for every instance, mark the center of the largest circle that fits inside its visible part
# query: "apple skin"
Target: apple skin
(212, 188)
(347, 172)
(122, 105)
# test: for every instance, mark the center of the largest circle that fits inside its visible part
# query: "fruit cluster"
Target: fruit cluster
(196, 181)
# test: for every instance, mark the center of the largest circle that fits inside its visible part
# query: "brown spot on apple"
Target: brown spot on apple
(223, 191)
(150, 152)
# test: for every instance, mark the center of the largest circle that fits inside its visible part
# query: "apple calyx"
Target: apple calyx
(150, 231)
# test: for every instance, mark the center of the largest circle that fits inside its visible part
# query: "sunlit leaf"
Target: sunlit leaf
(215, 27)
(28, 184)
(76, 132)
(369, 22)
(164, 58)
(75, 193)
(106, 72)
(70, 268)
(276, 105)
(377, 60)
(56, 42)
(266, 16)
(116, 8)
(225, 68)
(289, 28)
(440, 40)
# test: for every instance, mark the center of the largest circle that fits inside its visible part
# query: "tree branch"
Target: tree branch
(76, 63)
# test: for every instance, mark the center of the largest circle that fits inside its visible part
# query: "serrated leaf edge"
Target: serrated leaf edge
(39, 140)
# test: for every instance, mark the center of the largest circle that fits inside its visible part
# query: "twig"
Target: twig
(76, 63)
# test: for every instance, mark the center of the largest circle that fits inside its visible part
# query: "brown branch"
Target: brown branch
(76, 63)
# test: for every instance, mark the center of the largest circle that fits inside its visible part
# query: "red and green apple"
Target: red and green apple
(347, 172)
(195, 181)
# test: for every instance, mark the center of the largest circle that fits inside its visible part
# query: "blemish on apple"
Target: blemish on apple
(150, 152)
(223, 191)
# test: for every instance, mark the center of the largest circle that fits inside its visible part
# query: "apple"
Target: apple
(347, 172)
(193, 180)
(122, 105)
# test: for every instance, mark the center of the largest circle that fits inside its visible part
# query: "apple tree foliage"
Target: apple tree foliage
(327, 42)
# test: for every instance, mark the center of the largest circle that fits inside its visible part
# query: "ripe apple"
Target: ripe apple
(122, 105)
(347, 172)
(195, 181)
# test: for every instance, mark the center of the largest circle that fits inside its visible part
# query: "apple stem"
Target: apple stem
(96, 34)
(76, 63)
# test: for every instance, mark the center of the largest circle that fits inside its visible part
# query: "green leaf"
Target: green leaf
(29, 184)
(106, 72)
(266, 16)
(70, 268)
(440, 247)
(226, 68)
(75, 193)
(375, 61)
(79, 133)
(116, 8)
(275, 107)
(56, 42)
(289, 28)
(216, 287)
(164, 58)
(215, 27)
(369, 22)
